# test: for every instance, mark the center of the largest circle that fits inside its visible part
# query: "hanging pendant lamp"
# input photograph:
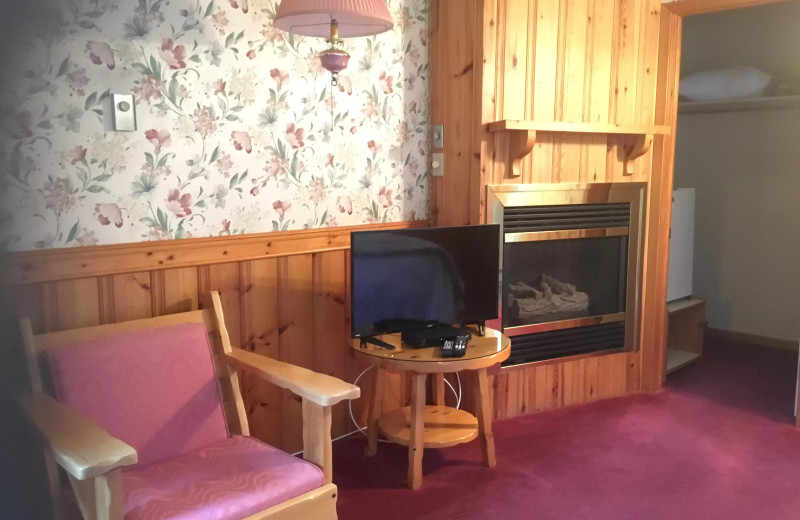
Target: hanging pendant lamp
(335, 19)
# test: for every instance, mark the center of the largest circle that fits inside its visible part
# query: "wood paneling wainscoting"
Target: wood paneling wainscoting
(285, 294)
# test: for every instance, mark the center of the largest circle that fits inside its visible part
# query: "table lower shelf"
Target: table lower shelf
(443, 426)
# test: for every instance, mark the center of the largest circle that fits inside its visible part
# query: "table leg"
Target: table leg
(438, 386)
(375, 413)
(485, 418)
(415, 442)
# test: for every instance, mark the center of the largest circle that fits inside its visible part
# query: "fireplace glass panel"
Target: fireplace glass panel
(554, 280)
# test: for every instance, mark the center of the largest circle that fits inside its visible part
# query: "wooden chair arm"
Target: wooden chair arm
(318, 388)
(80, 446)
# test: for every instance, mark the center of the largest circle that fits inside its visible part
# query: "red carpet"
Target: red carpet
(715, 444)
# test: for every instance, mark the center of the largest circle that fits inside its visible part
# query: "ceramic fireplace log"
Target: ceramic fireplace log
(528, 308)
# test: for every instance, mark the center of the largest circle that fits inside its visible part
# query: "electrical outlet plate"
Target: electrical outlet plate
(124, 110)
(437, 164)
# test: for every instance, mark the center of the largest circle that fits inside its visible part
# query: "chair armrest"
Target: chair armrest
(80, 446)
(318, 388)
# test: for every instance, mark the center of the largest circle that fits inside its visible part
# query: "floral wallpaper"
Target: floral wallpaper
(238, 127)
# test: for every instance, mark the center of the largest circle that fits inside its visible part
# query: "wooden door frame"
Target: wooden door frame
(654, 327)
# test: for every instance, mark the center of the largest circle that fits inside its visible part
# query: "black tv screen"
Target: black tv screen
(409, 278)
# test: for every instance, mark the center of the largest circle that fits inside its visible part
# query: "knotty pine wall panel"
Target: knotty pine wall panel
(591, 61)
(260, 334)
(293, 306)
(330, 321)
(576, 61)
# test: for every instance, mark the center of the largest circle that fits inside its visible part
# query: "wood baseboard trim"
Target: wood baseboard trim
(753, 339)
(82, 262)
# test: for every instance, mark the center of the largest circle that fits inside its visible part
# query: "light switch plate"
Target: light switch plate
(124, 110)
(437, 164)
(437, 136)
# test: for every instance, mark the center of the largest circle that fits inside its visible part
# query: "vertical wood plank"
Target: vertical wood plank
(483, 59)
(131, 296)
(625, 82)
(437, 83)
(174, 290)
(515, 60)
(73, 304)
(577, 24)
(590, 378)
(600, 74)
(453, 190)
(647, 68)
(224, 278)
(296, 338)
(331, 335)
(260, 325)
(544, 100)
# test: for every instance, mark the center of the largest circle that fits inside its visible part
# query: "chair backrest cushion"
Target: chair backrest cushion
(155, 389)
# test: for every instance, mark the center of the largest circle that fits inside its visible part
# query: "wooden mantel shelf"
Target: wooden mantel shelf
(582, 128)
(523, 137)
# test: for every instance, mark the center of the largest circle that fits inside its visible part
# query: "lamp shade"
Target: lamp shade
(313, 17)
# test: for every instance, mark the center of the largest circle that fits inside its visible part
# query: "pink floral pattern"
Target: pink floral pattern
(180, 205)
(108, 213)
(240, 128)
(239, 3)
(173, 55)
(100, 53)
(241, 141)
(158, 138)
(294, 136)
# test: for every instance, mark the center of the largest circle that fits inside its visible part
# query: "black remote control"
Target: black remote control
(448, 347)
(455, 346)
(460, 345)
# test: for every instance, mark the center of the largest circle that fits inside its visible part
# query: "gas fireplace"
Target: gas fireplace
(571, 267)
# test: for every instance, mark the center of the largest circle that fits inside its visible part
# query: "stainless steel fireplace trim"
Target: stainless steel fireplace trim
(533, 236)
(564, 324)
(499, 196)
(510, 368)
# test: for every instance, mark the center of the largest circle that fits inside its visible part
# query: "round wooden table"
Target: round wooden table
(419, 426)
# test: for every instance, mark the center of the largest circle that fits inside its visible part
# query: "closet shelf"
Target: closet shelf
(739, 105)
(636, 139)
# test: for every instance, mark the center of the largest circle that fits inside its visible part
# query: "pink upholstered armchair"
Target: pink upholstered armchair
(137, 420)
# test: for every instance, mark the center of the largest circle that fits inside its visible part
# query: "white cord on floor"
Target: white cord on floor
(458, 402)
(455, 394)
(353, 417)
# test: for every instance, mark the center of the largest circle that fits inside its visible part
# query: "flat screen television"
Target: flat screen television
(406, 279)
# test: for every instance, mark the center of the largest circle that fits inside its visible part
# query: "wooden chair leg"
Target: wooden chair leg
(375, 412)
(100, 498)
(416, 440)
(317, 444)
(54, 481)
(485, 418)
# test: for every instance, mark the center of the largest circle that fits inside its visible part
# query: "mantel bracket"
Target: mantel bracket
(520, 145)
(631, 147)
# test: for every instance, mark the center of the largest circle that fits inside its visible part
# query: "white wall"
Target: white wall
(745, 167)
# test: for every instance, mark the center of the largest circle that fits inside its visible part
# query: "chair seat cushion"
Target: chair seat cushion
(228, 479)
